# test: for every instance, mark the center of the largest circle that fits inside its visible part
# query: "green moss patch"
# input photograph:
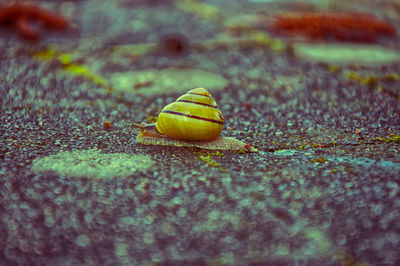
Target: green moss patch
(166, 81)
(92, 163)
(349, 54)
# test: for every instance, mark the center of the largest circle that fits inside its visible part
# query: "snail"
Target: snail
(193, 116)
(193, 120)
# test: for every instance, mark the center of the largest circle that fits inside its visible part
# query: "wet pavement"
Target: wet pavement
(76, 188)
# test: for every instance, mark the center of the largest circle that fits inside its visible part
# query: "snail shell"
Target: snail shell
(193, 116)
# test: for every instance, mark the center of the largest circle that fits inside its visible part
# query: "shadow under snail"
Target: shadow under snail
(193, 116)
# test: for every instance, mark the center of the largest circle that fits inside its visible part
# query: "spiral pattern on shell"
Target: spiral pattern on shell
(193, 116)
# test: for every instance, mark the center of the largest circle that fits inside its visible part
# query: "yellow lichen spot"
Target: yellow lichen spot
(392, 138)
(68, 64)
(395, 138)
(219, 154)
(318, 160)
(203, 10)
(371, 80)
(76, 69)
(354, 76)
(47, 54)
(302, 146)
(263, 39)
(334, 170)
(333, 68)
(392, 77)
(241, 152)
(209, 161)
(84, 71)
(65, 58)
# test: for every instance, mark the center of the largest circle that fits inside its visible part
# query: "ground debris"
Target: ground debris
(19, 15)
(344, 26)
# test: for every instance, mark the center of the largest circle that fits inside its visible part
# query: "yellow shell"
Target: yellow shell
(193, 116)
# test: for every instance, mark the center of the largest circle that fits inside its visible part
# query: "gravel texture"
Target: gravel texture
(324, 188)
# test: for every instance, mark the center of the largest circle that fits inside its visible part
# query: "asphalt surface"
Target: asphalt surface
(324, 188)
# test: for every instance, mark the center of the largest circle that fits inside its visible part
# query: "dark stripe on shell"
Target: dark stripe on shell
(199, 103)
(192, 93)
(194, 116)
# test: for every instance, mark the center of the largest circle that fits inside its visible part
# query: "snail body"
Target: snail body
(193, 116)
